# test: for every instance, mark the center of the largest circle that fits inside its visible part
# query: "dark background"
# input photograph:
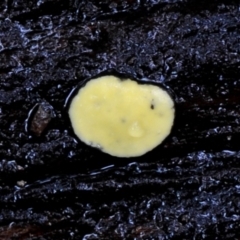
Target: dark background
(53, 188)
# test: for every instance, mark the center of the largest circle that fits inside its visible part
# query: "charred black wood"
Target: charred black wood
(51, 187)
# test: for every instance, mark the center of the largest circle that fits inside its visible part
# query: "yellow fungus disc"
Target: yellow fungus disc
(121, 117)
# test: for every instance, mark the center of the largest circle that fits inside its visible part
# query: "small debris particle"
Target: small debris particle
(41, 118)
(20, 168)
(21, 183)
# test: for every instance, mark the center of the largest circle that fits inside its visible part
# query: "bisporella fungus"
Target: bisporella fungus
(121, 117)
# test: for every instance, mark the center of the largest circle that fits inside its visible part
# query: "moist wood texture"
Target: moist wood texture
(189, 188)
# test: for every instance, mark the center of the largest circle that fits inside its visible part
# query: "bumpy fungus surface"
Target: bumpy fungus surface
(121, 117)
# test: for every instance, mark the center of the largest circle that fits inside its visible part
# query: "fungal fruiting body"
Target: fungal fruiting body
(123, 118)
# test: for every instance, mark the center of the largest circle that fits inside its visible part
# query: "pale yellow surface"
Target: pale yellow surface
(116, 116)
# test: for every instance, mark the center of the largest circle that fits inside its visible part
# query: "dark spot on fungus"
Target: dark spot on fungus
(152, 106)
